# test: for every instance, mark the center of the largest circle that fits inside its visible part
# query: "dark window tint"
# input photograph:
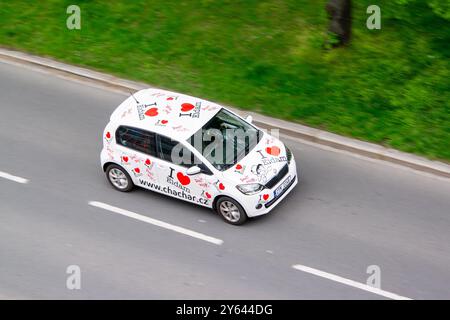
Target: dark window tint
(181, 155)
(139, 140)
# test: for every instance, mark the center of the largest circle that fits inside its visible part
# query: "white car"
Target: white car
(197, 151)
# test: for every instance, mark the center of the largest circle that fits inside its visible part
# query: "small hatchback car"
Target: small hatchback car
(197, 151)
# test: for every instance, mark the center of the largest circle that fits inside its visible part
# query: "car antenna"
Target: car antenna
(134, 97)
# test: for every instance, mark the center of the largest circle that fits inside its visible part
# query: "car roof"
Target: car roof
(167, 113)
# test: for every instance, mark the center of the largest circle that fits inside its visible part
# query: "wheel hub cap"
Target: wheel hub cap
(230, 211)
(118, 178)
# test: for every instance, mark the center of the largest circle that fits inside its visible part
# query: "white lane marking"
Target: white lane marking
(156, 222)
(349, 282)
(12, 178)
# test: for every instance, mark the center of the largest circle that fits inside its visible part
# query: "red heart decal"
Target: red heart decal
(185, 107)
(238, 167)
(164, 121)
(151, 112)
(207, 195)
(169, 98)
(148, 162)
(108, 135)
(274, 151)
(125, 158)
(221, 186)
(137, 170)
(265, 196)
(184, 180)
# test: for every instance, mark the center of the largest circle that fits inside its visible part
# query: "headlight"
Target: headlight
(288, 154)
(250, 188)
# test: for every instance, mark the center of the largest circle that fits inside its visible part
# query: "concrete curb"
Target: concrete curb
(366, 149)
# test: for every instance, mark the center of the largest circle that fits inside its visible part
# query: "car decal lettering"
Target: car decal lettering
(180, 194)
(126, 112)
(262, 200)
(248, 179)
(210, 108)
(188, 109)
(135, 158)
(167, 109)
(110, 153)
(161, 123)
(274, 160)
(180, 128)
(150, 174)
(141, 109)
(158, 94)
(261, 154)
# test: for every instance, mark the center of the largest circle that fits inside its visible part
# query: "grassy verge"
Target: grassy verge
(390, 86)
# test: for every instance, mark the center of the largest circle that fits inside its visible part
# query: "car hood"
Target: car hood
(261, 164)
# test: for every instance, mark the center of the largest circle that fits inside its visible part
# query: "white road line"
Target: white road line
(156, 222)
(12, 178)
(349, 282)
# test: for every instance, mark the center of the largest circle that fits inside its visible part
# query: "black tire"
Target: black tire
(231, 217)
(113, 168)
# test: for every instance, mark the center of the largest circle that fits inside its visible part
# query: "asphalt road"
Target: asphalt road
(346, 214)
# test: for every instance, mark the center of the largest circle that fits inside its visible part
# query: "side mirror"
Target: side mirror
(192, 171)
(249, 119)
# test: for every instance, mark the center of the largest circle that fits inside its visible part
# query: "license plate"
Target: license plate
(281, 187)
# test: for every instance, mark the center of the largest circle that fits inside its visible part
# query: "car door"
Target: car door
(137, 154)
(172, 172)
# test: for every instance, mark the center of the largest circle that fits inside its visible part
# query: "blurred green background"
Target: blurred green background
(389, 86)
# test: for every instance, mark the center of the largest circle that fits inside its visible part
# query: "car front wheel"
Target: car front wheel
(119, 178)
(231, 211)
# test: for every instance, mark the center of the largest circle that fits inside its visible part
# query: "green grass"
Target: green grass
(390, 86)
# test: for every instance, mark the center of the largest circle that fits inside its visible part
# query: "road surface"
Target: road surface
(347, 213)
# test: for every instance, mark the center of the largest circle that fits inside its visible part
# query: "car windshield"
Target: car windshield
(225, 139)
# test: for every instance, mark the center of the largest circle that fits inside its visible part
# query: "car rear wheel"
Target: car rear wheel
(119, 178)
(231, 211)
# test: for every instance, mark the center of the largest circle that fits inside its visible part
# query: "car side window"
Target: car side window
(136, 139)
(184, 157)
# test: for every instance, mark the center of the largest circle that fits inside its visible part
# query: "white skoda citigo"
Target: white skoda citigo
(198, 151)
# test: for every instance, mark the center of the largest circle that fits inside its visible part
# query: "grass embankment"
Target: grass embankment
(389, 86)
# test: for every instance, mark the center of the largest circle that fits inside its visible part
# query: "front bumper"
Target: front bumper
(257, 206)
(280, 196)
